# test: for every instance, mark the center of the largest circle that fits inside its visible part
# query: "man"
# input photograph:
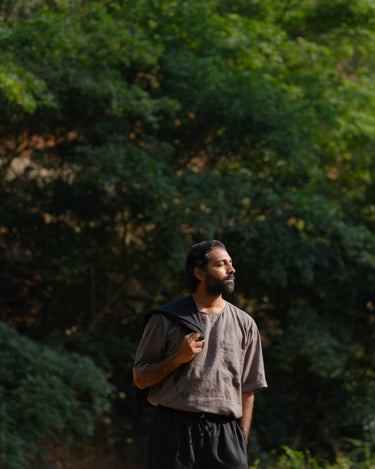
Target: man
(201, 358)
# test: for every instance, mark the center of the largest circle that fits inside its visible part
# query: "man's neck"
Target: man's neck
(208, 303)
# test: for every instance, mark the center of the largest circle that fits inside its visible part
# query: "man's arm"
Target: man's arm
(247, 411)
(154, 373)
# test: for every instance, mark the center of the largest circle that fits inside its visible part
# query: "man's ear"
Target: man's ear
(199, 273)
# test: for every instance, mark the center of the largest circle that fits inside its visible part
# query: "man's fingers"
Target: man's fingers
(191, 345)
(193, 336)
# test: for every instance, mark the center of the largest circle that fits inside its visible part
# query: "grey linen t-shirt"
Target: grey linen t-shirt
(230, 364)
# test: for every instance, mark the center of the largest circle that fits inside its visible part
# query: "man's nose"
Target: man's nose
(231, 269)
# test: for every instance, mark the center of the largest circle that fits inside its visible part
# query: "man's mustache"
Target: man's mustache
(230, 277)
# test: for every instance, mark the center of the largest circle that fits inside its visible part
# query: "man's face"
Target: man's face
(219, 273)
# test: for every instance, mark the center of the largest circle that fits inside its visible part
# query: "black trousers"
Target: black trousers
(186, 440)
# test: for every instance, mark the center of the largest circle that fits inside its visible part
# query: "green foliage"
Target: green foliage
(44, 392)
(132, 129)
(297, 460)
(293, 459)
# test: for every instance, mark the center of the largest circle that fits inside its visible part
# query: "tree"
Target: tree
(133, 129)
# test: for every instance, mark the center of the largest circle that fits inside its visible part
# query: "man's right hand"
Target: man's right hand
(190, 346)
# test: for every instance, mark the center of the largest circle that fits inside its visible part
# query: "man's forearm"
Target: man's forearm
(247, 411)
(156, 372)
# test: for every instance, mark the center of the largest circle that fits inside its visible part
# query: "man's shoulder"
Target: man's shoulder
(236, 310)
(242, 315)
(156, 318)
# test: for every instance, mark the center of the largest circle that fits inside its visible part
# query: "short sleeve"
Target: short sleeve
(151, 347)
(253, 375)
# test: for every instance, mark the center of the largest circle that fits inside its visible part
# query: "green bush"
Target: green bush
(44, 391)
(358, 457)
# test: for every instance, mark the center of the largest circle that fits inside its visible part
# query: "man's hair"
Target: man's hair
(198, 256)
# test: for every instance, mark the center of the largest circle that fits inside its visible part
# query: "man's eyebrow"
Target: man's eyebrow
(223, 260)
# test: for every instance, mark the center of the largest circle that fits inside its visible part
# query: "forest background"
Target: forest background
(132, 129)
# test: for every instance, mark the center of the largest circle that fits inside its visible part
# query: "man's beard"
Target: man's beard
(215, 286)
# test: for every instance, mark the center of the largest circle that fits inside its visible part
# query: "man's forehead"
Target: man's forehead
(218, 253)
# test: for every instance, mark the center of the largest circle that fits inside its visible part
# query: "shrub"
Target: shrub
(44, 391)
(358, 457)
